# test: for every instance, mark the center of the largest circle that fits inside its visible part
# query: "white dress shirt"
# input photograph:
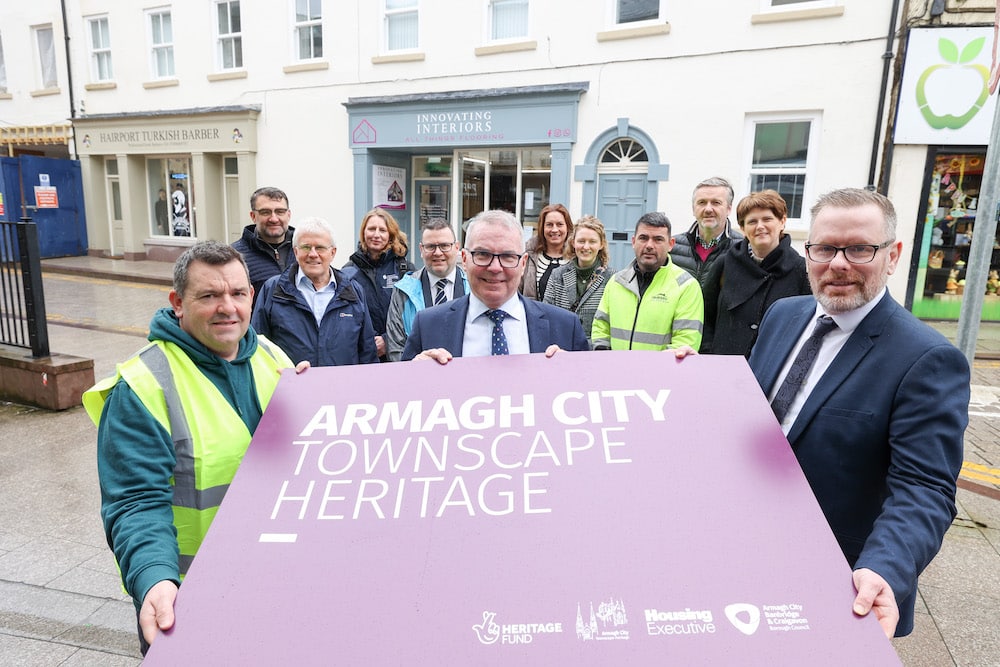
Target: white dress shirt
(831, 345)
(479, 328)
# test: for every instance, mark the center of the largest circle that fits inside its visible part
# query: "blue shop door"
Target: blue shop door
(62, 231)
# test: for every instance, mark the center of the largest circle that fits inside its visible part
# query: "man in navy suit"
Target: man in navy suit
(877, 423)
(494, 261)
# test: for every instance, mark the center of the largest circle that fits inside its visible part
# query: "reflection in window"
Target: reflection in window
(630, 11)
(170, 195)
(780, 152)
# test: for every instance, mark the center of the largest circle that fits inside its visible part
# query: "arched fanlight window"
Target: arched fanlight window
(624, 152)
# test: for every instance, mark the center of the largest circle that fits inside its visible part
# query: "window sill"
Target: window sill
(227, 76)
(6, 96)
(398, 58)
(101, 85)
(312, 66)
(797, 15)
(509, 47)
(161, 83)
(46, 91)
(633, 33)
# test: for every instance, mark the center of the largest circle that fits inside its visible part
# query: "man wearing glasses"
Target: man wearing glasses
(440, 281)
(493, 319)
(312, 311)
(266, 245)
(873, 402)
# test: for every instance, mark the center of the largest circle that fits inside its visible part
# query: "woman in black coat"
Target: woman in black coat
(756, 271)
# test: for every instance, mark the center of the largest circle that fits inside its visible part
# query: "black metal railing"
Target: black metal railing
(22, 301)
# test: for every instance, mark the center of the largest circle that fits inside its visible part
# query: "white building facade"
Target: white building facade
(611, 107)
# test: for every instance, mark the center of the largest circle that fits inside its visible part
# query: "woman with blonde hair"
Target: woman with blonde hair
(578, 284)
(546, 250)
(377, 264)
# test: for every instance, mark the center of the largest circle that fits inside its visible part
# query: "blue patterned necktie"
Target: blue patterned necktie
(498, 341)
(800, 367)
(439, 296)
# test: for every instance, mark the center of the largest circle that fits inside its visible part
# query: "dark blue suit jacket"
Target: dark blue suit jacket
(444, 326)
(880, 436)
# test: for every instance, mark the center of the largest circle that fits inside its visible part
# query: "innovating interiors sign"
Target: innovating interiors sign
(593, 508)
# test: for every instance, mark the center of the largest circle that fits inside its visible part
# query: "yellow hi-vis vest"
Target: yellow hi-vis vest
(199, 419)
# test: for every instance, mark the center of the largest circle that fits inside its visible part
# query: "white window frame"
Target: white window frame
(389, 14)
(3, 68)
(814, 118)
(491, 22)
(101, 65)
(48, 72)
(158, 48)
(613, 19)
(310, 23)
(232, 41)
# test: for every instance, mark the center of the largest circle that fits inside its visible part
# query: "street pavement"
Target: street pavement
(60, 600)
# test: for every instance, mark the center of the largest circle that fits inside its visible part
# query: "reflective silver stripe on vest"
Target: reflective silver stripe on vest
(186, 494)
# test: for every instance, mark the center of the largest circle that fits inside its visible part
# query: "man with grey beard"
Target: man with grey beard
(873, 402)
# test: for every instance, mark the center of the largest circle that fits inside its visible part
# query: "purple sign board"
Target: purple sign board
(593, 508)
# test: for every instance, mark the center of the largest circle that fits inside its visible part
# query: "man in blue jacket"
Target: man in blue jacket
(312, 311)
(440, 281)
(874, 403)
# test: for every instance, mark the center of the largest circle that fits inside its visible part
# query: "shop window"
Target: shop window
(3, 69)
(46, 57)
(161, 40)
(100, 49)
(171, 196)
(309, 29)
(401, 24)
(944, 240)
(508, 19)
(230, 39)
(510, 179)
(632, 11)
(782, 158)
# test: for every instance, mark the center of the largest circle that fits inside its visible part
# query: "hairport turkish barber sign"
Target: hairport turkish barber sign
(602, 513)
(944, 96)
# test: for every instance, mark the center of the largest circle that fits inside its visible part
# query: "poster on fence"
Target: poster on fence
(592, 508)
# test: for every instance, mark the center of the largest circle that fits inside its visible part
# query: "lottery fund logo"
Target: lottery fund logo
(489, 631)
(744, 617)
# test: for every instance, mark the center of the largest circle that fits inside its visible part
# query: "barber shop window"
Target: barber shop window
(632, 11)
(781, 158)
(170, 196)
(401, 25)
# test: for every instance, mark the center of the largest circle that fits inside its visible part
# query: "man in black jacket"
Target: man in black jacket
(696, 249)
(266, 245)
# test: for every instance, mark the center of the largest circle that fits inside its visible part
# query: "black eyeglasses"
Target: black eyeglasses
(508, 260)
(266, 212)
(861, 253)
(434, 247)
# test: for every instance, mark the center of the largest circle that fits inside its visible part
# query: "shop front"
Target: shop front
(157, 182)
(455, 154)
(944, 116)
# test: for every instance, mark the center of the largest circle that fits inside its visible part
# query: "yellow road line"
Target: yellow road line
(980, 473)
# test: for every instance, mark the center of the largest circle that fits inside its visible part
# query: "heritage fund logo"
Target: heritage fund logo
(607, 623)
(489, 631)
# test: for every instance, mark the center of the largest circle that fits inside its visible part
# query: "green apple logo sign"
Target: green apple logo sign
(965, 80)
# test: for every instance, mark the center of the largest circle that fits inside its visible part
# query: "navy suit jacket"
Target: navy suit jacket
(880, 436)
(444, 326)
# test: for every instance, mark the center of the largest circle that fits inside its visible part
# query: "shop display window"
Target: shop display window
(946, 237)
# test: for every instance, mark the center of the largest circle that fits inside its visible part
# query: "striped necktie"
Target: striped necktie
(800, 367)
(439, 295)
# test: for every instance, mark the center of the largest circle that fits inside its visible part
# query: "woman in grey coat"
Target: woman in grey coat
(579, 284)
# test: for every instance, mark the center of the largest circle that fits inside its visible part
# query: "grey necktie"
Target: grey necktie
(800, 367)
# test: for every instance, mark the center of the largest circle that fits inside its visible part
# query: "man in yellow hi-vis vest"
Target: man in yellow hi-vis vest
(174, 423)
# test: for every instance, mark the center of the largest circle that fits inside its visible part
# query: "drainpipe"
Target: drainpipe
(886, 65)
(69, 80)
